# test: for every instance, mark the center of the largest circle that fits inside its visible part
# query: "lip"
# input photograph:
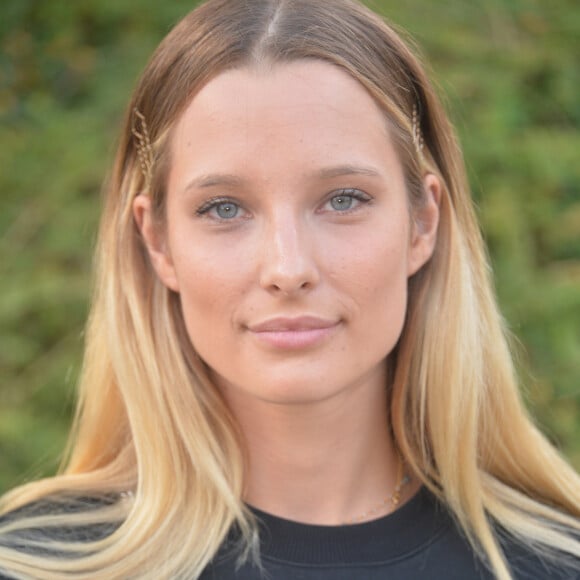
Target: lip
(293, 333)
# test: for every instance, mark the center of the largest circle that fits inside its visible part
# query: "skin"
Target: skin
(289, 201)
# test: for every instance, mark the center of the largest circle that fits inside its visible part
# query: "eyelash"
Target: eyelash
(214, 203)
(354, 194)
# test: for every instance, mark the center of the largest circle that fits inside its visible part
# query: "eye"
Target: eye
(220, 209)
(346, 200)
(342, 202)
(226, 210)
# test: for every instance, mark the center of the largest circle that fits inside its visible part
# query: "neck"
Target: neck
(323, 463)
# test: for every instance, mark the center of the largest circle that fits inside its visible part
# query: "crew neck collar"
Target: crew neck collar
(408, 528)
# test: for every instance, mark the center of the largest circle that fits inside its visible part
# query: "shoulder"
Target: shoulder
(69, 519)
(55, 527)
(529, 562)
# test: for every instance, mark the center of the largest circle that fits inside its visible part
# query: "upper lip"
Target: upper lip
(282, 324)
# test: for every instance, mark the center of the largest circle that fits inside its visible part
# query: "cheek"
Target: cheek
(374, 260)
(208, 307)
(375, 279)
(212, 282)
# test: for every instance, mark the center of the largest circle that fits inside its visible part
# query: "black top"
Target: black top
(419, 540)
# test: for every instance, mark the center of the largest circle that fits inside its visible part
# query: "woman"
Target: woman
(294, 365)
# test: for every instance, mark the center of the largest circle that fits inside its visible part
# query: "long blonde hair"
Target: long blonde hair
(149, 419)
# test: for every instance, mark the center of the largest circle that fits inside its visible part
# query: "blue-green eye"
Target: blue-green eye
(346, 200)
(220, 209)
(226, 210)
(341, 202)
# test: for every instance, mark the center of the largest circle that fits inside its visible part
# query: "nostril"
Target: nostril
(289, 287)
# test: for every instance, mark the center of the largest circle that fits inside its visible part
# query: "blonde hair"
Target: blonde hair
(149, 419)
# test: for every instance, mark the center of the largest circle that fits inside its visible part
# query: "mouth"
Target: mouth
(294, 333)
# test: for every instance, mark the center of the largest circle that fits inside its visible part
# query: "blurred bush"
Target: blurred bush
(511, 77)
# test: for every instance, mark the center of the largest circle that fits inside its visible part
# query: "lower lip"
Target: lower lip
(295, 339)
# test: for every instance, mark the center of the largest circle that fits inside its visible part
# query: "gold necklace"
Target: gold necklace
(393, 500)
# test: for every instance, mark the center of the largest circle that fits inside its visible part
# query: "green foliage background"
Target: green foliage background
(510, 73)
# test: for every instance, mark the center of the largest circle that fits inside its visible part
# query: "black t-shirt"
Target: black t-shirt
(418, 541)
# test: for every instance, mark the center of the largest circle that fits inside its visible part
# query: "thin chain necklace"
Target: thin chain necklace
(392, 500)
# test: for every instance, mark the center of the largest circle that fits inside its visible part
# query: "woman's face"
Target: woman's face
(289, 237)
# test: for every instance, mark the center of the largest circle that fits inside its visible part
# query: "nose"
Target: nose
(288, 261)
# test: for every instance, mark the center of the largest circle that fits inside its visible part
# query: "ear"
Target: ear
(155, 242)
(425, 225)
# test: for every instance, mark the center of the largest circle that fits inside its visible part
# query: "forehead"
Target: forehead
(284, 82)
(304, 112)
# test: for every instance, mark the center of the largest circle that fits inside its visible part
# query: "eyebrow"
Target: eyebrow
(347, 169)
(213, 179)
(231, 180)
